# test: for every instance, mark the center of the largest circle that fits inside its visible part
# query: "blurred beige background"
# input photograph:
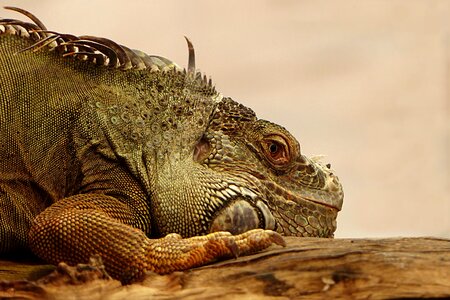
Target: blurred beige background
(365, 82)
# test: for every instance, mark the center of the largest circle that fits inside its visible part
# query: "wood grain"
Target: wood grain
(309, 268)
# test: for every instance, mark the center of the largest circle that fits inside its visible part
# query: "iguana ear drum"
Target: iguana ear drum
(241, 216)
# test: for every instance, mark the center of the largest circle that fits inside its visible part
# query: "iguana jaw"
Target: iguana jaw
(276, 208)
(299, 218)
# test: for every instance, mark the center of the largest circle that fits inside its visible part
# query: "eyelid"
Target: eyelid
(283, 154)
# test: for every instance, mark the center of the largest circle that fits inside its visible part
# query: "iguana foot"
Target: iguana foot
(172, 253)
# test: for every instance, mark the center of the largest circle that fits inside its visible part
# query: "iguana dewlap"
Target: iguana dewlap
(106, 150)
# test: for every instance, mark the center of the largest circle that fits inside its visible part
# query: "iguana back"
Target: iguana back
(110, 146)
(55, 113)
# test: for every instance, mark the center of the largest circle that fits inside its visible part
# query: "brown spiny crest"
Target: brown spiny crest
(98, 50)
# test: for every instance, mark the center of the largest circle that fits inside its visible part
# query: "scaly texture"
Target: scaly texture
(107, 150)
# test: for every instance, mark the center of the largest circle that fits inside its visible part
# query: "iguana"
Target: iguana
(107, 150)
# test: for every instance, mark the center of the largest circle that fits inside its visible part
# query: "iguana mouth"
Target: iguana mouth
(323, 204)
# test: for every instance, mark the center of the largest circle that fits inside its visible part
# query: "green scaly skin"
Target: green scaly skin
(106, 150)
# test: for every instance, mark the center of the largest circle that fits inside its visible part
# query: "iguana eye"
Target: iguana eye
(276, 150)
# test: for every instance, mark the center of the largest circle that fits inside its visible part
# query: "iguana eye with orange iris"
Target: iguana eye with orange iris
(276, 150)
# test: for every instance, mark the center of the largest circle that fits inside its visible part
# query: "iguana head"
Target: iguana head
(269, 183)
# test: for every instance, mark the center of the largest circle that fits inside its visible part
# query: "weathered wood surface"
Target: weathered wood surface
(308, 268)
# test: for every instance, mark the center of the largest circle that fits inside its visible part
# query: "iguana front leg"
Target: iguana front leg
(75, 228)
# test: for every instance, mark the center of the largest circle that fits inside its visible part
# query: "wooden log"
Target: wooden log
(308, 268)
